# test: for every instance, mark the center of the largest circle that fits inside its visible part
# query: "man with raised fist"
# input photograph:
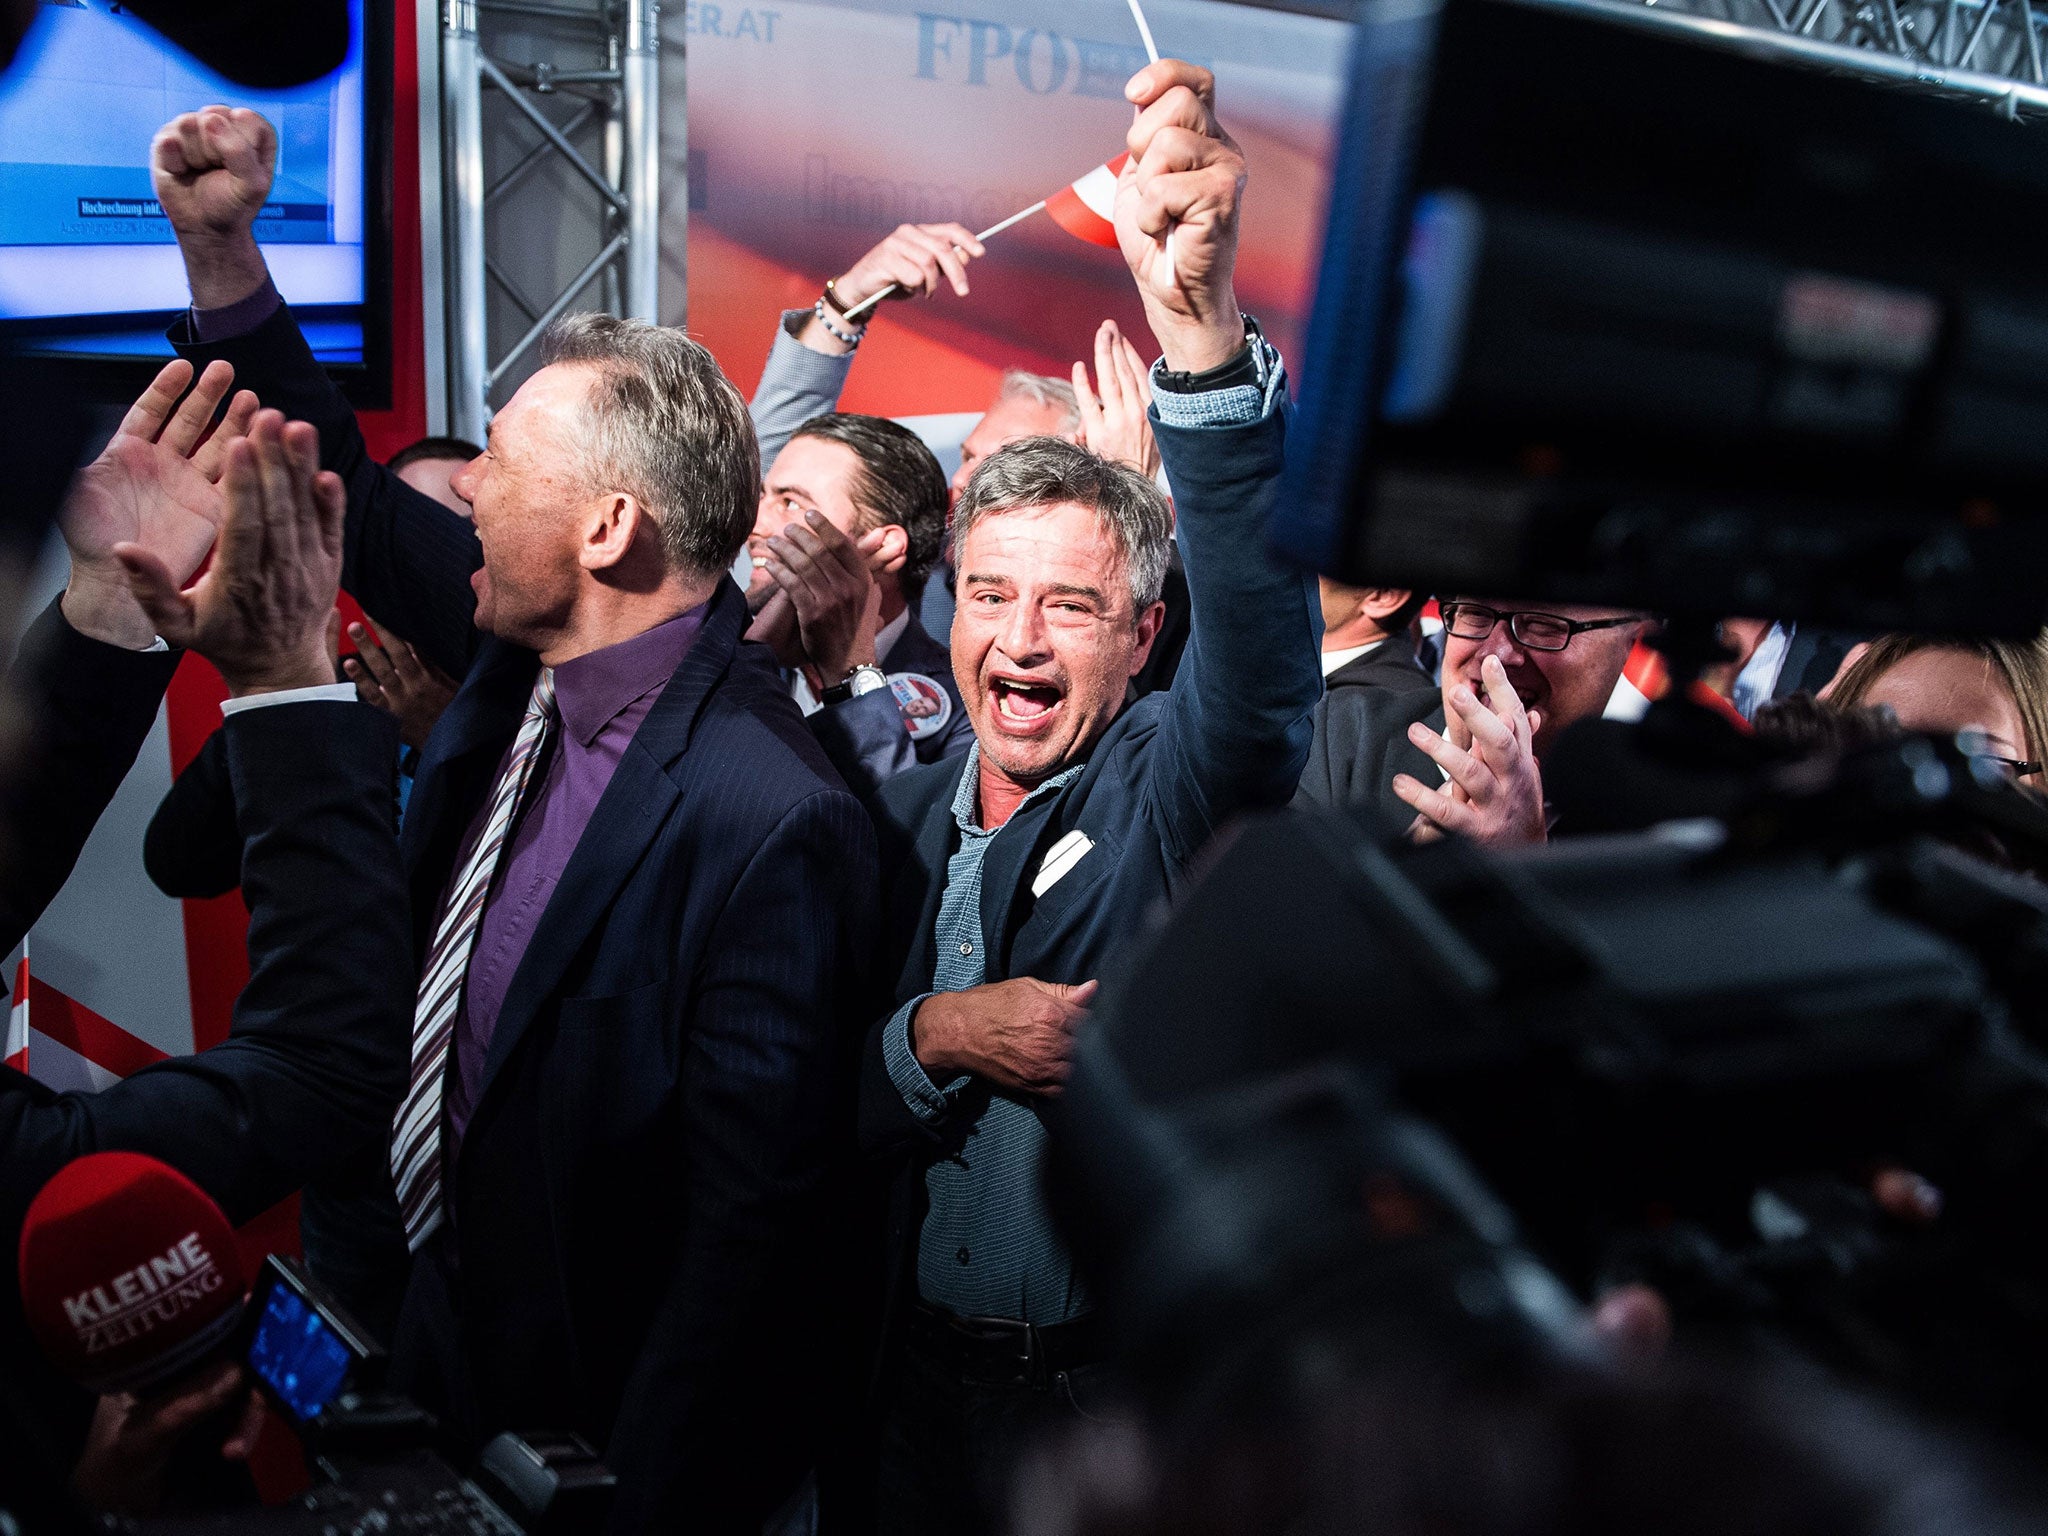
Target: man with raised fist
(311, 1072)
(1012, 877)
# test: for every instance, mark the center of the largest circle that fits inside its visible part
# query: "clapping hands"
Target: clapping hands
(261, 612)
(1493, 792)
(827, 580)
(155, 486)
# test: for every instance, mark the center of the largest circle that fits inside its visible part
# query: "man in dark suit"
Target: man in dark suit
(1012, 879)
(852, 515)
(315, 1063)
(1370, 639)
(641, 903)
(1515, 678)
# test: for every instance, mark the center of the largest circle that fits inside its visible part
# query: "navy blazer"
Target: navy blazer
(868, 739)
(650, 1178)
(1229, 736)
(313, 1066)
(311, 1072)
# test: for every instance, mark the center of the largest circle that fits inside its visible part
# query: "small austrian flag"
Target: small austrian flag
(1086, 209)
(15, 1052)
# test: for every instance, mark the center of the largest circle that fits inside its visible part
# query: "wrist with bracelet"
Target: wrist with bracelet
(847, 339)
(832, 310)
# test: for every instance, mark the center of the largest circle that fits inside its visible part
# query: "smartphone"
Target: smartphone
(303, 1349)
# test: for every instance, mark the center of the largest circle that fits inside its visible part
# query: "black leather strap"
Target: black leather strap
(1004, 1351)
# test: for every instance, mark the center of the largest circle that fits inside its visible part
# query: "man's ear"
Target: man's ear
(1381, 603)
(1148, 631)
(893, 550)
(612, 524)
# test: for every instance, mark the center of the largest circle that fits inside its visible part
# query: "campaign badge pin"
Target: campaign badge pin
(925, 706)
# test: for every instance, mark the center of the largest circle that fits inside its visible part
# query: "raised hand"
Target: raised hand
(1494, 794)
(829, 579)
(1114, 423)
(916, 258)
(260, 613)
(389, 673)
(155, 484)
(1186, 175)
(212, 171)
(1017, 1034)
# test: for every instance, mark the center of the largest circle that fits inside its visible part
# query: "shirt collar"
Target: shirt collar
(966, 795)
(887, 636)
(592, 690)
(1333, 660)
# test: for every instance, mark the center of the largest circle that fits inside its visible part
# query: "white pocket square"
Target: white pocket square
(1059, 858)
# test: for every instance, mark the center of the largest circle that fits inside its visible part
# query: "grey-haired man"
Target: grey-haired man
(1011, 879)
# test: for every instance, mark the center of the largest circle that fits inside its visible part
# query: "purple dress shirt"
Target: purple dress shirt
(602, 697)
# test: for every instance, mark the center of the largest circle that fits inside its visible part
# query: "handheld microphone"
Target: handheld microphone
(129, 1272)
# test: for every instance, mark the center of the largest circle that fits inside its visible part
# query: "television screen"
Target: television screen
(88, 265)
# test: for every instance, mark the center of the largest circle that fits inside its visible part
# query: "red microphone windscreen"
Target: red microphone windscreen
(129, 1273)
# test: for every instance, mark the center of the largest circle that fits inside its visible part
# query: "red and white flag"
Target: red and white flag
(1644, 678)
(16, 1049)
(1087, 209)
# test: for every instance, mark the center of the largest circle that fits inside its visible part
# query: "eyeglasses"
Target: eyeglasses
(1975, 745)
(1536, 631)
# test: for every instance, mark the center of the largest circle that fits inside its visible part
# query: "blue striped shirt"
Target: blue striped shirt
(988, 1248)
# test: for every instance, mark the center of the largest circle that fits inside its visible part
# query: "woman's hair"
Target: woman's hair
(2022, 665)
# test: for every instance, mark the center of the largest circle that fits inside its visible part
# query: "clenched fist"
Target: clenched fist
(1186, 177)
(212, 171)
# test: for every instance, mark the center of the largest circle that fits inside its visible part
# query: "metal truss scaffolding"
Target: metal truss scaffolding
(1990, 49)
(606, 71)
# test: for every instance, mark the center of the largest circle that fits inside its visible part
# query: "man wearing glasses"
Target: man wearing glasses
(1468, 760)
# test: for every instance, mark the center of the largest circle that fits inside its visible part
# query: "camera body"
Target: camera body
(1476, 1091)
(374, 1454)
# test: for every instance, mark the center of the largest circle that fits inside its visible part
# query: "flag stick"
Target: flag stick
(1173, 277)
(1144, 31)
(994, 229)
(1152, 53)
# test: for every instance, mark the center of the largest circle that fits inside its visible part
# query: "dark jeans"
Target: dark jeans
(950, 1445)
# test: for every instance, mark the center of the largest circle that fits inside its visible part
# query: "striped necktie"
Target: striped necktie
(416, 1133)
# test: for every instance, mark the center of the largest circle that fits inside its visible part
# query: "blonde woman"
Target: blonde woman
(1943, 685)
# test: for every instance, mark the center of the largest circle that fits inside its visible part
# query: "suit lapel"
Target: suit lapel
(1403, 756)
(933, 851)
(1002, 873)
(628, 817)
(917, 651)
(455, 768)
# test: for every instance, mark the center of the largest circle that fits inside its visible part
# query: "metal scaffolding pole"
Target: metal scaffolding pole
(641, 177)
(620, 99)
(462, 182)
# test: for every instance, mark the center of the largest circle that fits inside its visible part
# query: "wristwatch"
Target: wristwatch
(862, 679)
